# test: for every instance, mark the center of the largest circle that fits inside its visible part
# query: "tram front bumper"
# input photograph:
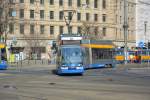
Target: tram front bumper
(77, 70)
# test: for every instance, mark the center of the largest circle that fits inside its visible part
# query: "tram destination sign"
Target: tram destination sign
(71, 38)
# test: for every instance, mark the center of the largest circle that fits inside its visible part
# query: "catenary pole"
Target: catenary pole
(125, 26)
(146, 40)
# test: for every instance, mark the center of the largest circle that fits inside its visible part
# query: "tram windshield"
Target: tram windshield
(72, 55)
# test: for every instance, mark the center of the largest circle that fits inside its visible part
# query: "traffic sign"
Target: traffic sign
(141, 44)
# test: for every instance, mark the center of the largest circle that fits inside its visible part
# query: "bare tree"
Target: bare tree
(33, 39)
(4, 11)
(33, 44)
(91, 30)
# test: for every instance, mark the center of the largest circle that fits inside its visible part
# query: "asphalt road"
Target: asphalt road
(40, 83)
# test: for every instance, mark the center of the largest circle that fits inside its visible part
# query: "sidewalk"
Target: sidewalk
(32, 65)
(133, 65)
(142, 69)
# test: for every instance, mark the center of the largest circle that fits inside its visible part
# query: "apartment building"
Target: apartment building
(143, 21)
(131, 21)
(38, 22)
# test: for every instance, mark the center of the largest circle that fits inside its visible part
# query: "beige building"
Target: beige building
(38, 22)
(131, 34)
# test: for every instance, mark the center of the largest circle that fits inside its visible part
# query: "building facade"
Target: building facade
(142, 23)
(131, 20)
(36, 23)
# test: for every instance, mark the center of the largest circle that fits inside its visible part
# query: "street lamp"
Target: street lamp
(125, 26)
(145, 29)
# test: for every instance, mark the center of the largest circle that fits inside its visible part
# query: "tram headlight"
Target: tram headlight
(64, 67)
(80, 67)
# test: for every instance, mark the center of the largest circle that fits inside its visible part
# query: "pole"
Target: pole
(148, 50)
(145, 33)
(146, 42)
(125, 26)
(145, 29)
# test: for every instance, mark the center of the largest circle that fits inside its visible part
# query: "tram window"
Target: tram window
(107, 54)
(102, 53)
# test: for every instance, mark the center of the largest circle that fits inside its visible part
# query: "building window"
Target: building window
(32, 29)
(11, 28)
(31, 13)
(104, 17)
(116, 18)
(21, 28)
(42, 14)
(51, 2)
(120, 19)
(42, 29)
(104, 31)
(87, 2)
(79, 30)
(70, 15)
(61, 15)
(87, 16)
(11, 1)
(69, 2)
(10, 12)
(95, 17)
(104, 4)
(21, 13)
(120, 32)
(60, 2)
(31, 1)
(51, 30)
(61, 29)
(51, 14)
(21, 1)
(1, 11)
(95, 3)
(42, 2)
(78, 3)
(78, 16)
(70, 30)
(120, 5)
(1, 28)
(116, 4)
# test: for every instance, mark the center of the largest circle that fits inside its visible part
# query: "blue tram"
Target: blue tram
(70, 56)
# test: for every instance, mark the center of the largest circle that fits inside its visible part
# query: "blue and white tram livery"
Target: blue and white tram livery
(98, 53)
(70, 56)
(70, 60)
